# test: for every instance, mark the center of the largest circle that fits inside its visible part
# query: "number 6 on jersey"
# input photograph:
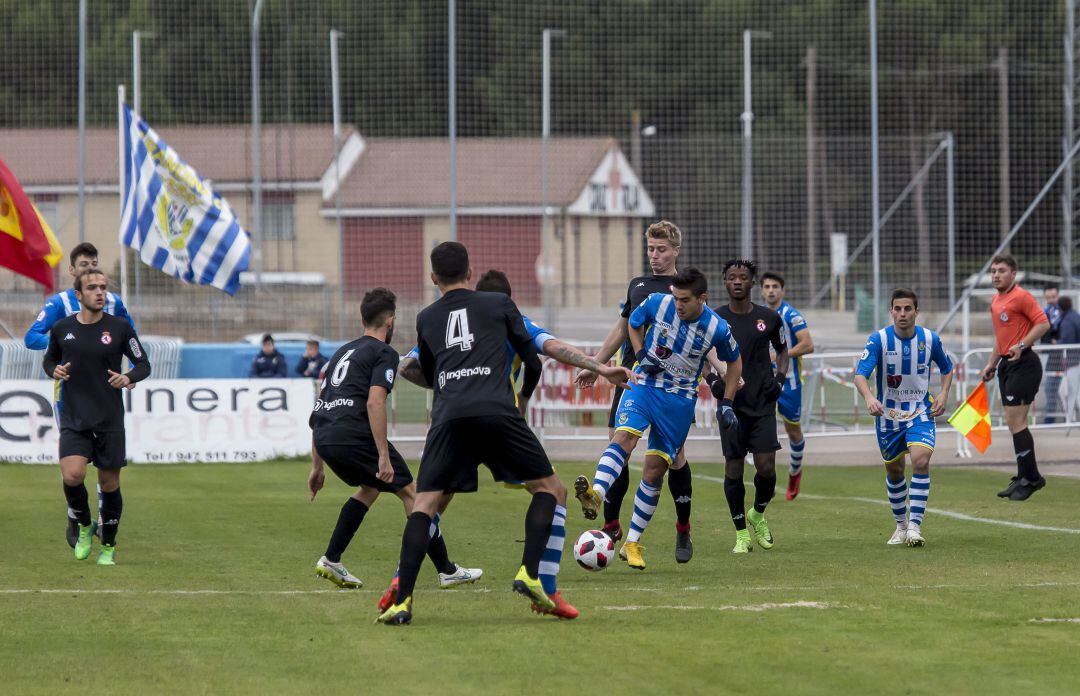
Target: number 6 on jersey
(457, 330)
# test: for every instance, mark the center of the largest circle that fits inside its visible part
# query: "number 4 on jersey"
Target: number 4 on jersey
(457, 330)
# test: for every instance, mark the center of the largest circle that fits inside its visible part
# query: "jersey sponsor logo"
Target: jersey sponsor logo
(663, 352)
(69, 337)
(865, 354)
(41, 315)
(894, 381)
(760, 324)
(463, 373)
(1004, 317)
(640, 285)
(134, 345)
(106, 338)
(798, 321)
(321, 405)
(389, 376)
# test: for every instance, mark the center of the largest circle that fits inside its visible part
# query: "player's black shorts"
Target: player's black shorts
(358, 464)
(105, 449)
(614, 406)
(755, 434)
(1019, 381)
(455, 449)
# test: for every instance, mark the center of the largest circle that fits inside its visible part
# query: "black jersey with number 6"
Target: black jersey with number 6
(754, 331)
(340, 415)
(462, 341)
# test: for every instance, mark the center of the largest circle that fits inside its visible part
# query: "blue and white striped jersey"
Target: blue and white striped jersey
(792, 323)
(680, 347)
(903, 373)
(64, 304)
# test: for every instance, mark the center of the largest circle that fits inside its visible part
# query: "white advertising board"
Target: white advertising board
(174, 420)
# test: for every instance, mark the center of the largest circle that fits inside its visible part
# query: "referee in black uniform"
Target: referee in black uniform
(85, 352)
(663, 242)
(755, 328)
(474, 419)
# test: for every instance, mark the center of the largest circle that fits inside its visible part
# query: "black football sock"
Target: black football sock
(414, 541)
(681, 486)
(348, 521)
(112, 506)
(764, 488)
(537, 529)
(735, 492)
(1024, 446)
(436, 551)
(78, 503)
(613, 499)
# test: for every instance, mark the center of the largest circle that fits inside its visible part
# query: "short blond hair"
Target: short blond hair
(664, 230)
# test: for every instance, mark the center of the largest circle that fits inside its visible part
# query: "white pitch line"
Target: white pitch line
(727, 607)
(935, 511)
(1041, 621)
(12, 591)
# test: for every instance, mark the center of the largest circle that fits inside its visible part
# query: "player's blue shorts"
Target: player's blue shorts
(790, 404)
(667, 416)
(894, 443)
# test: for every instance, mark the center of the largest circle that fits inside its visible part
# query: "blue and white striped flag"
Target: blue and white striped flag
(172, 216)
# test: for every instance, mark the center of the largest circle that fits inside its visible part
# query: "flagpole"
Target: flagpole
(120, 180)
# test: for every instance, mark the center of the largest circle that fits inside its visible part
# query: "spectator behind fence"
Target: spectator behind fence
(312, 361)
(1068, 333)
(269, 362)
(1052, 360)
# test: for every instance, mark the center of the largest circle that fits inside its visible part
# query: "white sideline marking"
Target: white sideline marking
(204, 592)
(929, 510)
(1054, 621)
(727, 607)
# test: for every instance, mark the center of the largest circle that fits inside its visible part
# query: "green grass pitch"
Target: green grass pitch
(214, 592)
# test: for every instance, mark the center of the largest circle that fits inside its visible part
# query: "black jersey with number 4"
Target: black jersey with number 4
(755, 331)
(636, 292)
(462, 340)
(88, 402)
(340, 416)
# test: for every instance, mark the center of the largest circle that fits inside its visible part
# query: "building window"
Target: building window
(48, 204)
(277, 216)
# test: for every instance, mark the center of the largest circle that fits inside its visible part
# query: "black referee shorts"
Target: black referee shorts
(1019, 381)
(454, 449)
(357, 464)
(614, 406)
(755, 434)
(105, 449)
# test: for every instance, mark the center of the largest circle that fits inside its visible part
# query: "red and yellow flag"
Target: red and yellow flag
(972, 418)
(27, 245)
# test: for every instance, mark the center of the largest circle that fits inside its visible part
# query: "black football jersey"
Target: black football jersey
(462, 341)
(755, 332)
(340, 416)
(636, 292)
(87, 402)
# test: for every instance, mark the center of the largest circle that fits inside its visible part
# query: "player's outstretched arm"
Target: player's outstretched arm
(733, 375)
(140, 364)
(569, 355)
(804, 344)
(51, 363)
(615, 338)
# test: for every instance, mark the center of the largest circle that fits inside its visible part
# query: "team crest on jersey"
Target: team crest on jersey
(907, 349)
(1004, 317)
(922, 345)
(106, 338)
(623, 418)
(865, 354)
(760, 324)
(894, 381)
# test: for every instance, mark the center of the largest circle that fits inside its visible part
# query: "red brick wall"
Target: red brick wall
(510, 244)
(387, 252)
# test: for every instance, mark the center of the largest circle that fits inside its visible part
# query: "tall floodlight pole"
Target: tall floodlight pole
(875, 180)
(256, 146)
(451, 75)
(82, 121)
(335, 84)
(746, 246)
(545, 137)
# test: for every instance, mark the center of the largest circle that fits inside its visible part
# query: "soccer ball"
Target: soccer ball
(594, 550)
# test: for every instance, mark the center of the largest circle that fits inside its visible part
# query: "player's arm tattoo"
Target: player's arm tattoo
(568, 355)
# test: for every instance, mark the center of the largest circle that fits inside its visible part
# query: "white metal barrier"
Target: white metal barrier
(19, 362)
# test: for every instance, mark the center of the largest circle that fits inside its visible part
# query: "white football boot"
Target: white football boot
(899, 536)
(914, 536)
(461, 576)
(337, 574)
